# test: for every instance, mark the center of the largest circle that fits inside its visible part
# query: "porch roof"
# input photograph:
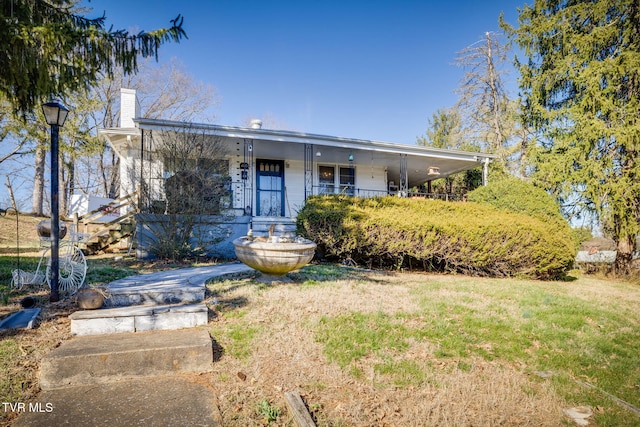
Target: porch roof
(333, 149)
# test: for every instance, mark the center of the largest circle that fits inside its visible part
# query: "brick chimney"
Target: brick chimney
(129, 107)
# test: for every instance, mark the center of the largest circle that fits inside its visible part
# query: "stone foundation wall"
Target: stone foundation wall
(215, 234)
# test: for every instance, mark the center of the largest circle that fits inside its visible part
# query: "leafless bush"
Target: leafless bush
(187, 182)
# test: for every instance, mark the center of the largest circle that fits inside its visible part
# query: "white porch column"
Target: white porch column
(485, 171)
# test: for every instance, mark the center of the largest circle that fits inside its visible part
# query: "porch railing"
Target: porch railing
(156, 203)
(363, 192)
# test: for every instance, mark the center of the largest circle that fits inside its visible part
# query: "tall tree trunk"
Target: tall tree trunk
(38, 182)
(625, 246)
(524, 146)
(495, 100)
(110, 174)
(103, 174)
(13, 199)
(114, 178)
(72, 184)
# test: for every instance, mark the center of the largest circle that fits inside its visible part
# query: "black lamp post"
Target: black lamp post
(56, 114)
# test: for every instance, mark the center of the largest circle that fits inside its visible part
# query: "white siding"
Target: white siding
(294, 185)
(370, 181)
(238, 185)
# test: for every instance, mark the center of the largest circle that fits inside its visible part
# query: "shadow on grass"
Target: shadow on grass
(218, 350)
(217, 292)
(318, 273)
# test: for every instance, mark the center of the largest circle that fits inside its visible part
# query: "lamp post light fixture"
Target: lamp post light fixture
(56, 114)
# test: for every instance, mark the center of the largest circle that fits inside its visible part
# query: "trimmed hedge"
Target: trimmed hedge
(516, 195)
(433, 235)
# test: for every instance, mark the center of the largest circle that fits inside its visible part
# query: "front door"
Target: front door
(270, 187)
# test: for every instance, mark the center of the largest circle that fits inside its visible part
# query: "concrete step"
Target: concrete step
(157, 301)
(186, 285)
(95, 360)
(138, 318)
(166, 288)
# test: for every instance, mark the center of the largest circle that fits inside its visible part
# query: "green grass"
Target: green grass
(101, 271)
(350, 337)
(11, 380)
(236, 336)
(404, 373)
(540, 325)
(322, 275)
(98, 270)
(268, 411)
(545, 326)
(10, 263)
(237, 339)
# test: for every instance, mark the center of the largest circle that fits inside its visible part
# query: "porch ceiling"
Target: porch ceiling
(417, 165)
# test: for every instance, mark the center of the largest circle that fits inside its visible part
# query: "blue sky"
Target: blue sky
(363, 69)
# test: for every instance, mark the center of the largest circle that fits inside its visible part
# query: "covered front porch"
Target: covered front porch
(271, 173)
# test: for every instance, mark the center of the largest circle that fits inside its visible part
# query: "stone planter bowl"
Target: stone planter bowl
(274, 258)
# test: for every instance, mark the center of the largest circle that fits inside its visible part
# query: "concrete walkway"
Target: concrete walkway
(168, 398)
(168, 287)
(184, 277)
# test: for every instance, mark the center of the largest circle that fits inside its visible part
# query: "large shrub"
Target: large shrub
(434, 235)
(518, 196)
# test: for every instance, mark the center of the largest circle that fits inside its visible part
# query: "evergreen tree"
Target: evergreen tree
(581, 93)
(444, 130)
(47, 48)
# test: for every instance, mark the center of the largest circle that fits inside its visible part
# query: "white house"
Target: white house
(273, 172)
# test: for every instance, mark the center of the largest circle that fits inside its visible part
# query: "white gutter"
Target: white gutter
(307, 138)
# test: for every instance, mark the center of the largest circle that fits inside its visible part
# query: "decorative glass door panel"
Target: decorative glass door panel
(270, 187)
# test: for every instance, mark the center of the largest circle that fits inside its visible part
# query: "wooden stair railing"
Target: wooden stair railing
(107, 227)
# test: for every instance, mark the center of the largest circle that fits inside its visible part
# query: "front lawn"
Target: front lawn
(369, 348)
(366, 347)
